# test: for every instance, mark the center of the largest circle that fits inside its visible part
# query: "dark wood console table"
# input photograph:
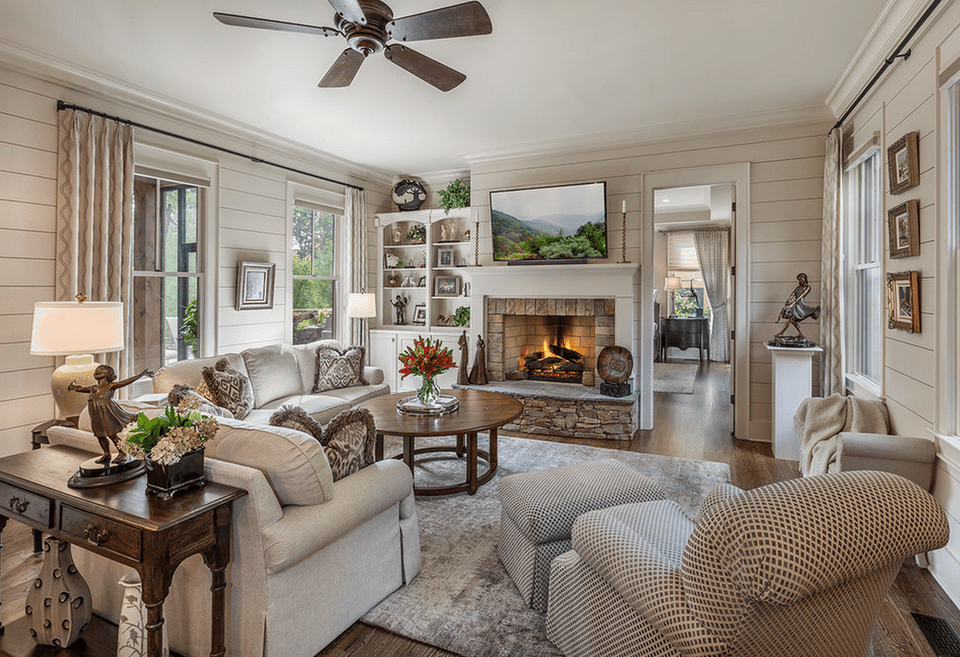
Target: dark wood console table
(122, 523)
(685, 332)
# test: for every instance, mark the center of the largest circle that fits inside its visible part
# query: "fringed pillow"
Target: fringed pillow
(227, 388)
(338, 368)
(294, 417)
(180, 393)
(349, 441)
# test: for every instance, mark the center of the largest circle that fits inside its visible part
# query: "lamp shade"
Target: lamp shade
(362, 304)
(62, 328)
(673, 283)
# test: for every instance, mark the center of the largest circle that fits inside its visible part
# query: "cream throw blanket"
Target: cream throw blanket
(818, 422)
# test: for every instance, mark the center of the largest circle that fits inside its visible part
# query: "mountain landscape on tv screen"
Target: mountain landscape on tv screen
(549, 237)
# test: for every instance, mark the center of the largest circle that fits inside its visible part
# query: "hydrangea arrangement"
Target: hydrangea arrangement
(167, 437)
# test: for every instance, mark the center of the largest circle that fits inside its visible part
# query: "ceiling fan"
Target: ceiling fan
(368, 25)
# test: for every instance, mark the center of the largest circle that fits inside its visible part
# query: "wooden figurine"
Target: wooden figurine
(107, 418)
(478, 375)
(400, 304)
(462, 375)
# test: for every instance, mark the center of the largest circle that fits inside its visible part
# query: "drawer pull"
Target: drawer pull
(94, 536)
(17, 505)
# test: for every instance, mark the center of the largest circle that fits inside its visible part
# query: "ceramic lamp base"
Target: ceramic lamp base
(74, 368)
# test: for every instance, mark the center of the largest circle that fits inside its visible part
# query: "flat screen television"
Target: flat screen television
(543, 224)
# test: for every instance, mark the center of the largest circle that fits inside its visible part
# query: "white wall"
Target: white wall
(907, 99)
(786, 191)
(251, 224)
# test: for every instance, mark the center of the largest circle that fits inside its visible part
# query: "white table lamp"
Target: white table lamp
(671, 285)
(362, 305)
(75, 329)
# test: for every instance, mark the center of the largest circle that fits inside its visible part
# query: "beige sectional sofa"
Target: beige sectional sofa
(280, 375)
(310, 555)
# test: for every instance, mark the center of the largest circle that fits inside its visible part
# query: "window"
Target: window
(167, 271)
(682, 262)
(863, 289)
(314, 268)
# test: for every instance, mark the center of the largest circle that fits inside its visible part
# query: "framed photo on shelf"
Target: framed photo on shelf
(903, 301)
(255, 285)
(420, 314)
(903, 163)
(448, 286)
(445, 258)
(903, 228)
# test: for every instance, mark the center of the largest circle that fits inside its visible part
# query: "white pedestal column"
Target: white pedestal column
(792, 383)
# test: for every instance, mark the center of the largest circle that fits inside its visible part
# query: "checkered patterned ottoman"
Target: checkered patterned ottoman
(538, 510)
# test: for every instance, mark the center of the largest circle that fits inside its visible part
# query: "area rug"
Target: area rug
(464, 601)
(674, 377)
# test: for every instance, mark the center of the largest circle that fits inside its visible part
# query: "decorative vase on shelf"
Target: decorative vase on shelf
(428, 392)
(59, 603)
(132, 629)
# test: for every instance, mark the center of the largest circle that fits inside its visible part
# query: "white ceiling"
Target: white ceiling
(551, 70)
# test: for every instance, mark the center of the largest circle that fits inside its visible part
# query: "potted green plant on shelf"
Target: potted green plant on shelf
(455, 195)
(461, 316)
(417, 234)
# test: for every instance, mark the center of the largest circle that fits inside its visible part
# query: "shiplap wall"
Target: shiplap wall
(786, 180)
(251, 224)
(907, 100)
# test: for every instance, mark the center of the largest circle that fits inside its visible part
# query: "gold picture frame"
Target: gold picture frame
(903, 163)
(903, 229)
(903, 301)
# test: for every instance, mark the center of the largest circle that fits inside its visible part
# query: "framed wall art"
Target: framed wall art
(903, 301)
(447, 286)
(903, 163)
(445, 258)
(420, 314)
(903, 228)
(255, 285)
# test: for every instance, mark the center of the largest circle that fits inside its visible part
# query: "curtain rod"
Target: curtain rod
(61, 106)
(888, 61)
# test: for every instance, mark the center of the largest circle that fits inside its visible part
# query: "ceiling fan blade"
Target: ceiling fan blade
(343, 71)
(466, 19)
(429, 70)
(350, 10)
(268, 24)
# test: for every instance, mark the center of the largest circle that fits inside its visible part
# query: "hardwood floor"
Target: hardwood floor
(688, 426)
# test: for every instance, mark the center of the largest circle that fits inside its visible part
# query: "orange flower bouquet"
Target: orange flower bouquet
(427, 359)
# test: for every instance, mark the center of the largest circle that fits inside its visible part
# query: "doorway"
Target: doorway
(732, 181)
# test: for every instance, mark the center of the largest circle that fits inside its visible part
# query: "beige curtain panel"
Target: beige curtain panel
(712, 252)
(95, 214)
(831, 337)
(355, 215)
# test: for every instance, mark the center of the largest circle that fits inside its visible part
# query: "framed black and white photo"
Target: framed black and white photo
(445, 258)
(903, 163)
(447, 286)
(255, 285)
(903, 301)
(903, 228)
(420, 314)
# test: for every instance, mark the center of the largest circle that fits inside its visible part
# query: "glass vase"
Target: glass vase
(428, 392)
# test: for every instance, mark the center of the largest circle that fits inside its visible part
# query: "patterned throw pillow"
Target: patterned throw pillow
(180, 393)
(227, 387)
(338, 368)
(294, 417)
(349, 441)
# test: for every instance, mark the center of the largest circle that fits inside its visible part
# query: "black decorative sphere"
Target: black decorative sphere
(409, 195)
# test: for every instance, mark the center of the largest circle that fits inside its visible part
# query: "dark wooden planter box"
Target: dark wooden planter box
(165, 481)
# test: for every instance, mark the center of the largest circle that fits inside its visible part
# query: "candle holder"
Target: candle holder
(476, 237)
(623, 238)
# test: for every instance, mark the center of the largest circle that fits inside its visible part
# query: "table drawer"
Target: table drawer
(97, 530)
(24, 504)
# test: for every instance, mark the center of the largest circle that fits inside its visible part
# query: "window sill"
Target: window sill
(948, 449)
(860, 386)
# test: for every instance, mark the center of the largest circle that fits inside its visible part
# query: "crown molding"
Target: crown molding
(90, 83)
(809, 115)
(439, 179)
(895, 20)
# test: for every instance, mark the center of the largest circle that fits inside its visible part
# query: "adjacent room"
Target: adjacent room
(480, 329)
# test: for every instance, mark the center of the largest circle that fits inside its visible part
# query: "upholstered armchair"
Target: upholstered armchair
(795, 568)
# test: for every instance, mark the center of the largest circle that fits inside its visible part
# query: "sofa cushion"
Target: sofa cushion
(293, 462)
(306, 355)
(349, 442)
(321, 408)
(339, 368)
(273, 373)
(190, 372)
(227, 387)
(359, 394)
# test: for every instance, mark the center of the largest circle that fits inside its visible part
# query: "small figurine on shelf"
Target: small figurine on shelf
(442, 320)
(400, 304)
(107, 418)
(443, 233)
(478, 375)
(423, 259)
(466, 235)
(407, 281)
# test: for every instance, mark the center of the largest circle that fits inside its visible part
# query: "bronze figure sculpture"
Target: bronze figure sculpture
(478, 375)
(794, 311)
(462, 374)
(400, 304)
(107, 418)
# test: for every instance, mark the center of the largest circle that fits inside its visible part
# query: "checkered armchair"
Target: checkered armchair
(795, 568)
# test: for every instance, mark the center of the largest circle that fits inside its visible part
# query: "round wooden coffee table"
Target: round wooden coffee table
(479, 411)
